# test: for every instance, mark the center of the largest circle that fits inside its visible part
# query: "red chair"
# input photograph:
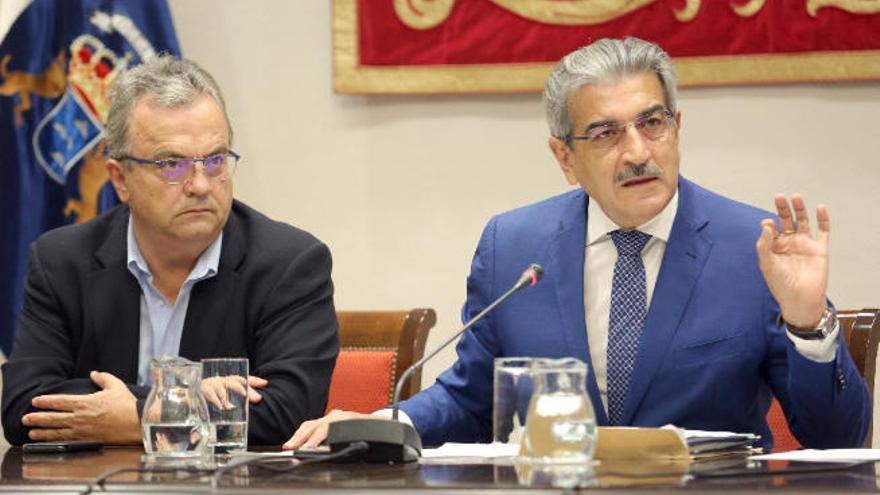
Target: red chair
(861, 330)
(376, 346)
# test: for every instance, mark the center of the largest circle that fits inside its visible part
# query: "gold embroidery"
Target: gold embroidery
(689, 11)
(92, 176)
(426, 14)
(748, 9)
(423, 14)
(573, 12)
(50, 84)
(851, 6)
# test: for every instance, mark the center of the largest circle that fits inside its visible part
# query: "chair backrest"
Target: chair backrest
(376, 347)
(861, 330)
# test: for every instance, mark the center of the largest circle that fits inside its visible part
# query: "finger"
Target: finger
(237, 384)
(257, 382)
(319, 434)
(786, 222)
(51, 434)
(254, 397)
(57, 402)
(105, 380)
(823, 220)
(211, 396)
(765, 240)
(47, 419)
(222, 397)
(800, 214)
(301, 434)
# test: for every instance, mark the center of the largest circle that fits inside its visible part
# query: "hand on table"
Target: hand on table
(109, 415)
(312, 433)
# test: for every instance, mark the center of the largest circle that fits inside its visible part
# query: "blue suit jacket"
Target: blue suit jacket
(711, 355)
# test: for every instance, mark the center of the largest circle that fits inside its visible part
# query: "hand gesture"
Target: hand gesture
(795, 262)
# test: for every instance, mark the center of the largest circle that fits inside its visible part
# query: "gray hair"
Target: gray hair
(603, 60)
(172, 82)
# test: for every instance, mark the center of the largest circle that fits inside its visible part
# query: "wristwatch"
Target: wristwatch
(826, 326)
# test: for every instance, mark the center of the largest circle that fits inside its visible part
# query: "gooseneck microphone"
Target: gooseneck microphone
(393, 441)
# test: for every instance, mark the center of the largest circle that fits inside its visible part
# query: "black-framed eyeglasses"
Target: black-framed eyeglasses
(653, 125)
(179, 170)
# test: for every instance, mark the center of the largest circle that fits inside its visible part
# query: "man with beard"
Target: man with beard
(180, 269)
(688, 307)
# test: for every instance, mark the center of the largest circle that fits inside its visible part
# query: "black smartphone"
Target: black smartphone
(62, 447)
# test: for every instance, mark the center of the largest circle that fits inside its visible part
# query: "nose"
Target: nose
(198, 184)
(633, 145)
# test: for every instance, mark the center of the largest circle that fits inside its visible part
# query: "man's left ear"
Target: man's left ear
(562, 153)
(117, 178)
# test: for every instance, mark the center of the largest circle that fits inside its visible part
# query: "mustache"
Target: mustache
(641, 171)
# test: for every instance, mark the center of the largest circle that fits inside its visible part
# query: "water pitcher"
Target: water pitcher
(175, 418)
(561, 422)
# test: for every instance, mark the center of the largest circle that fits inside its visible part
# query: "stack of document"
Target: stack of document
(670, 443)
(711, 444)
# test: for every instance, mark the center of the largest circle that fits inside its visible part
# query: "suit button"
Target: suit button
(841, 382)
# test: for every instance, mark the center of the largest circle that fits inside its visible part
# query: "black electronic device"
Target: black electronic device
(61, 447)
(395, 441)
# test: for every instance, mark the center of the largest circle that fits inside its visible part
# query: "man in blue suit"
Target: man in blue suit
(729, 311)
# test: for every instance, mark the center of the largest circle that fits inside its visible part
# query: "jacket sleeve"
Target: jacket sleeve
(826, 405)
(295, 345)
(42, 359)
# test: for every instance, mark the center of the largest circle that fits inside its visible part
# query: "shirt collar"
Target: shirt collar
(599, 225)
(206, 265)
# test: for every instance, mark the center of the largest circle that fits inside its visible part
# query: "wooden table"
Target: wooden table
(72, 473)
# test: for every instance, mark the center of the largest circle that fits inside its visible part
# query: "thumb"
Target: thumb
(103, 379)
(765, 240)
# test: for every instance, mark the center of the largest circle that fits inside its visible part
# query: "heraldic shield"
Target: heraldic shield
(57, 63)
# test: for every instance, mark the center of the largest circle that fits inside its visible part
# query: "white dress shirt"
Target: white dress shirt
(161, 323)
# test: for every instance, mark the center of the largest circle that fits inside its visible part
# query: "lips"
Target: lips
(638, 181)
(196, 211)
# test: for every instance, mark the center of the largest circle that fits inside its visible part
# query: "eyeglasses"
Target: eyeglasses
(179, 170)
(653, 125)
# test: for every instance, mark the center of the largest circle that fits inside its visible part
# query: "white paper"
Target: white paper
(830, 455)
(472, 450)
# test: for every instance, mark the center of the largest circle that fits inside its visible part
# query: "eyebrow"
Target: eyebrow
(173, 155)
(607, 123)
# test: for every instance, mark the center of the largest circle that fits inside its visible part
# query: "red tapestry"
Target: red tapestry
(443, 46)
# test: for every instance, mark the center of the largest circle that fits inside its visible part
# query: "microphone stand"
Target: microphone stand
(394, 441)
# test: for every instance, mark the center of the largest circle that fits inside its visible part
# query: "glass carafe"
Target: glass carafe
(175, 421)
(561, 422)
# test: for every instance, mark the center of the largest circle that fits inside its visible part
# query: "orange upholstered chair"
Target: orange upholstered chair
(861, 330)
(376, 346)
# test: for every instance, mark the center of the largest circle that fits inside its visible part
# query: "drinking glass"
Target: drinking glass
(512, 391)
(225, 387)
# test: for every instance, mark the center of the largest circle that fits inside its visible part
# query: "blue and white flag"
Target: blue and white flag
(57, 63)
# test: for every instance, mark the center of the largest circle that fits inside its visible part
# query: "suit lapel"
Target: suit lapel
(209, 303)
(113, 295)
(566, 268)
(686, 254)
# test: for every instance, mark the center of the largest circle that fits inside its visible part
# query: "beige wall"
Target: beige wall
(400, 187)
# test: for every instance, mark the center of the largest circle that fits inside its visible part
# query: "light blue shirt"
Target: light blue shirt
(162, 322)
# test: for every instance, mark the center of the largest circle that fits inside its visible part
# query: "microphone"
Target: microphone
(394, 441)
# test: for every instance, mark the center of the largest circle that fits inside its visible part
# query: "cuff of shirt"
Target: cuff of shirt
(820, 350)
(401, 416)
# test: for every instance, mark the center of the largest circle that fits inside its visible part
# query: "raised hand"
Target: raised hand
(794, 261)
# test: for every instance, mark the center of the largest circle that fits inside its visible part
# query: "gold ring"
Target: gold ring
(787, 232)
